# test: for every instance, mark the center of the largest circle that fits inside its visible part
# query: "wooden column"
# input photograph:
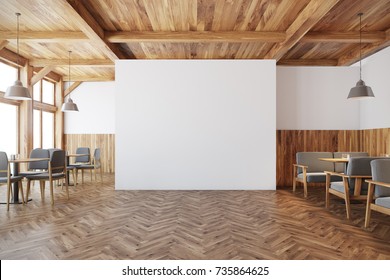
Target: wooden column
(26, 114)
(59, 116)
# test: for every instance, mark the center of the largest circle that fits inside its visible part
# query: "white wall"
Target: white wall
(315, 98)
(375, 113)
(96, 103)
(188, 124)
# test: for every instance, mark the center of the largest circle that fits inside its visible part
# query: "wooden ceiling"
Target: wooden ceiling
(294, 32)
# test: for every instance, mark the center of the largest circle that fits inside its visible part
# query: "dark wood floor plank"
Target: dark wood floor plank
(100, 223)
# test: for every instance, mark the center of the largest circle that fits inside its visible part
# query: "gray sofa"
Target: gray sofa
(310, 169)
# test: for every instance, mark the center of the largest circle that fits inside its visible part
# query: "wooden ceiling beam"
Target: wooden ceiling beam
(3, 43)
(343, 37)
(89, 78)
(42, 73)
(74, 62)
(12, 58)
(193, 36)
(310, 15)
(52, 76)
(91, 28)
(44, 36)
(308, 62)
(352, 56)
(71, 88)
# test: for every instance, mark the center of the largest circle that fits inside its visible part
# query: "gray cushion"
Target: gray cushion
(12, 179)
(317, 177)
(338, 186)
(45, 176)
(339, 167)
(381, 172)
(383, 201)
(311, 159)
(85, 166)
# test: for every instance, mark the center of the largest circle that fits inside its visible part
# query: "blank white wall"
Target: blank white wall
(375, 113)
(188, 124)
(316, 98)
(96, 103)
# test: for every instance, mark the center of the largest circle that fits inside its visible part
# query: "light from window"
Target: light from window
(9, 125)
(8, 76)
(37, 129)
(37, 91)
(47, 92)
(48, 130)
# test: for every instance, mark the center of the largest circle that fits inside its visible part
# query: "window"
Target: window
(44, 119)
(37, 129)
(8, 118)
(48, 130)
(47, 92)
(8, 76)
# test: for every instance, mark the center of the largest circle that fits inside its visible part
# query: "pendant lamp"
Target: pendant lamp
(360, 91)
(69, 106)
(17, 90)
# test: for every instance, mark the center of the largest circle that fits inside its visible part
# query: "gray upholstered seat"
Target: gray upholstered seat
(310, 169)
(96, 164)
(7, 178)
(36, 167)
(352, 185)
(378, 189)
(56, 170)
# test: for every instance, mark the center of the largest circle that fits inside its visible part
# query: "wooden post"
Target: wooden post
(59, 116)
(26, 114)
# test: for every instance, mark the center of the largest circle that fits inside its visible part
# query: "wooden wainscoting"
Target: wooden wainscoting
(375, 141)
(106, 142)
(289, 142)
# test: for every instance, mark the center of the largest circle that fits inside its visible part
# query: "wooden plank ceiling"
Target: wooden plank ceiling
(294, 32)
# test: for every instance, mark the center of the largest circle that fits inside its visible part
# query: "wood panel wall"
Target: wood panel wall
(106, 142)
(289, 142)
(375, 141)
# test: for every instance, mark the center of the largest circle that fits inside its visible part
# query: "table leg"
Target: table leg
(15, 172)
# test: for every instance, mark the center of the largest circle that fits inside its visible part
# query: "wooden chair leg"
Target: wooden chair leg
(67, 189)
(21, 191)
(327, 194)
(346, 198)
(305, 188)
(74, 177)
(82, 176)
(42, 187)
(95, 174)
(368, 206)
(90, 172)
(28, 189)
(51, 192)
(8, 195)
(101, 174)
(294, 183)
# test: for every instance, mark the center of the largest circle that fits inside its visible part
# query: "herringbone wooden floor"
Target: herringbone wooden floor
(100, 223)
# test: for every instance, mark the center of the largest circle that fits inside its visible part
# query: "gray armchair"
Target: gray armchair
(82, 160)
(7, 178)
(352, 186)
(56, 171)
(378, 198)
(36, 167)
(96, 164)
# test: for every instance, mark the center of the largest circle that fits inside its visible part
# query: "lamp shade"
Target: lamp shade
(69, 106)
(17, 91)
(360, 91)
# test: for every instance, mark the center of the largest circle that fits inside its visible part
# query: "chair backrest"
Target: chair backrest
(57, 161)
(83, 159)
(96, 157)
(311, 159)
(359, 166)
(339, 167)
(381, 172)
(3, 164)
(39, 153)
